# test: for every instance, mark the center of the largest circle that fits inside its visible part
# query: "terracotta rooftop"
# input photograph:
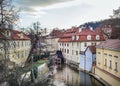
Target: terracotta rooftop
(56, 33)
(14, 34)
(92, 49)
(82, 35)
(112, 44)
(86, 31)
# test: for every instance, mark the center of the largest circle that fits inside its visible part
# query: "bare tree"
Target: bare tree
(8, 13)
(8, 17)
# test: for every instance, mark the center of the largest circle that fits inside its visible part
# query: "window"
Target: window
(26, 53)
(73, 37)
(105, 54)
(95, 44)
(92, 43)
(110, 55)
(62, 50)
(116, 56)
(26, 43)
(18, 55)
(67, 44)
(22, 43)
(72, 44)
(72, 52)
(110, 64)
(77, 37)
(14, 44)
(76, 52)
(97, 37)
(85, 44)
(22, 54)
(105, 62)
(18, 44)
(89, 37)
(116, 66)
(99, 53)
(77, 44)
(67, 51)
(21, 35)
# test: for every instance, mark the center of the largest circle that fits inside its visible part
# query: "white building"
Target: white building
(76, 40)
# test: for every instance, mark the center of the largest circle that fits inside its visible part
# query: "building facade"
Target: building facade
(76, 40)
(108, 61)
(87, 59)
(15, 46)
(52, 40)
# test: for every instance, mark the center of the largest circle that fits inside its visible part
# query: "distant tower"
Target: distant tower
(116, 13)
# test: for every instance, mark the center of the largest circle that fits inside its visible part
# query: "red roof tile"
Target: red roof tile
(92, 49)
(68, 39)
(82, 35)
(113, 44)
(86, 31)
(56, 33)
(15, 35)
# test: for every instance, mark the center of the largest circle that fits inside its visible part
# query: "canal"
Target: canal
(64, 75)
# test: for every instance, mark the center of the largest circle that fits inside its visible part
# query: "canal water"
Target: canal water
(64, 75)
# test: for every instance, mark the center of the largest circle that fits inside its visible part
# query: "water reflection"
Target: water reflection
(66, 76)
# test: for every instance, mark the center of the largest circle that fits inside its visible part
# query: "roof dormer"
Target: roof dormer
(80, 29)
(73, 37)
(88, 37)
(77, 37)
(21, 35)
(97, 37)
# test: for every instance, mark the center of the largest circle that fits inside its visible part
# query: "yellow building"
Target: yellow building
(14, 46)
(108, 61)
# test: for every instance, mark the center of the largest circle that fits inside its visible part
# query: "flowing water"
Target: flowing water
(67, 76)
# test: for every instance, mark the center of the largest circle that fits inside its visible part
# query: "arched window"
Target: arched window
(88, 37)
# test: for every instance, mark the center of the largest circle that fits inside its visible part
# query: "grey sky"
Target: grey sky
(64, 13)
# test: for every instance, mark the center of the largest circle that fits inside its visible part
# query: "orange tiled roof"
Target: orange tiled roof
(56, 33)
(67, 36)
(15, 35)
(68, 39)
(92, 49)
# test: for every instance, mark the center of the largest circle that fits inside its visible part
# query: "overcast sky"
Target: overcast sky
(64, 13)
